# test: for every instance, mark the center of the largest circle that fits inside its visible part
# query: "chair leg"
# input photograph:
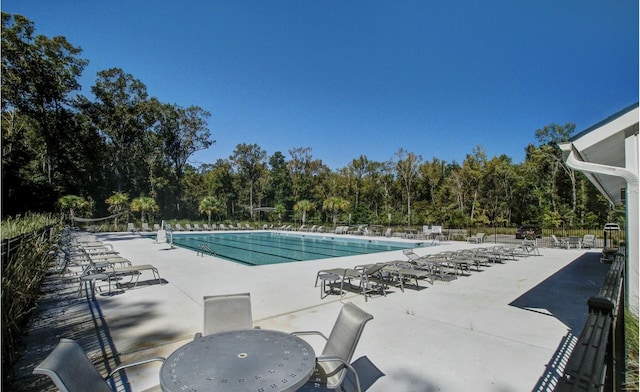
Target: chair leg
(90, 281)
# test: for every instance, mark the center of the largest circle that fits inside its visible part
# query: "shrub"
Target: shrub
(631, 337)
(26, 242)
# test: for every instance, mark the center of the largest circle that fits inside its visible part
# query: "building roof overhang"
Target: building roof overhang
(604, 144)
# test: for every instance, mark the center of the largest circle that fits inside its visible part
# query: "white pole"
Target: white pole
(630, 174)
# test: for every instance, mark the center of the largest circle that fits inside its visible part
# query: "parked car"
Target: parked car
(529, 231)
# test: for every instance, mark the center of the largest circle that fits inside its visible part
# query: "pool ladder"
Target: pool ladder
(202, 248)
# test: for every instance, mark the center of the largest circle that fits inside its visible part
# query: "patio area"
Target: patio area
(497, 329)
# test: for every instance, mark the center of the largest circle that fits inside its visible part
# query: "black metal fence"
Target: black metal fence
(10, 245)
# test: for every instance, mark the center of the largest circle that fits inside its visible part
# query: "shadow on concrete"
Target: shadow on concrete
(141, 283)
(368, 374)
(406, 380)
(555, 368)
(61, 313)
(564, 294)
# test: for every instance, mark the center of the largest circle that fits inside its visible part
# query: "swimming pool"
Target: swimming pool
(264, 248)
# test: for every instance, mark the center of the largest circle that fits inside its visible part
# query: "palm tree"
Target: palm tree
(209, 205)
(144, 204)
(278, 211)
(335, 205)
(303, 206)
(72, 202)
(118, 203)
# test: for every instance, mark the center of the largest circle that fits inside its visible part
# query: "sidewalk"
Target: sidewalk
(492, 330)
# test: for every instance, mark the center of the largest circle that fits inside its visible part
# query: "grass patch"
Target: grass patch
(26, 242)
(631, 337)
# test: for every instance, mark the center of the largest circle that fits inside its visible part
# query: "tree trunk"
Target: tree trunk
(473, 204)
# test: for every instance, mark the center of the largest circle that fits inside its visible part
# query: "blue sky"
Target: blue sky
(350, 78)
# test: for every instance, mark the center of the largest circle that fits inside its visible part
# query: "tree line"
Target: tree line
(123, 150)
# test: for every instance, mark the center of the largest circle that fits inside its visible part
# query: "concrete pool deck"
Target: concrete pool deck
(493, 330)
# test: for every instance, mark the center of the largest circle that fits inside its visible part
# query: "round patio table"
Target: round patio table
(247, 360)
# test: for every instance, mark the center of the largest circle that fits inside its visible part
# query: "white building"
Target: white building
(607, 153)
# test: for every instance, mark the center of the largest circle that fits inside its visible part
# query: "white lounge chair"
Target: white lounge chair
(132, 271)
(589, 241)
(476, 239)
(573, 242)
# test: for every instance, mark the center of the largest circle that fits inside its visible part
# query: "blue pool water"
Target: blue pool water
(271, 248)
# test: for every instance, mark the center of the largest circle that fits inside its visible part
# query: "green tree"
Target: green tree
(73, 204)
(118, 204)
(498, 186)
(407, 167)
(278, 212)
(123, 115)
(249, 160)
(219, 181)
(335, 205)
(38, 76)
(473, 171)
(209, 205)
(279, 188)
(433, 189)
(143, 205)
(357, 169)
(44, 143)
(182, 132)
(433, 174)
(549, 155)
(383, 185)
(303, 169)
(303, 206)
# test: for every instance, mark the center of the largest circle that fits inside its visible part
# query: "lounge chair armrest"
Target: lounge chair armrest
(348, 365)
(302, 333)
(135, 363)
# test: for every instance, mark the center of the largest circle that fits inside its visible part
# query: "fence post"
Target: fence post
(5, 252)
